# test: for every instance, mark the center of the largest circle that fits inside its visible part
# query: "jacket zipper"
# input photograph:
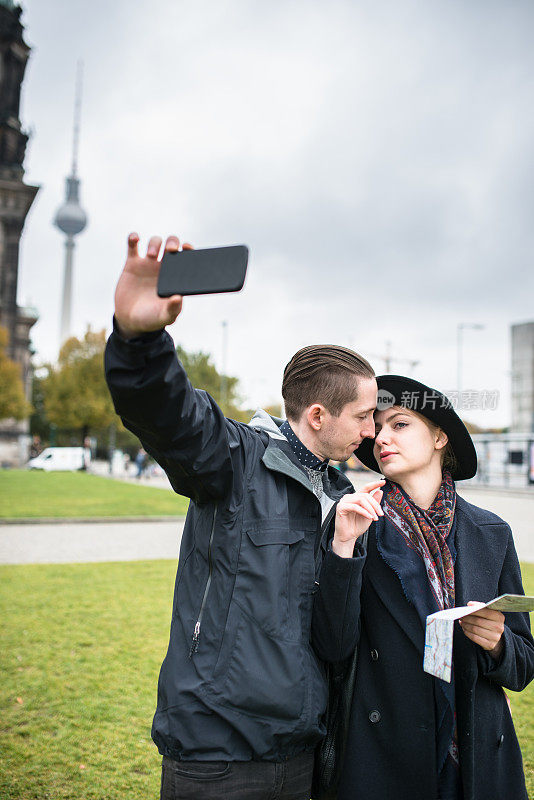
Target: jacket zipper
(196, 632)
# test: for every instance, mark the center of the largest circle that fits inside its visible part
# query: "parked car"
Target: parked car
(61, 458)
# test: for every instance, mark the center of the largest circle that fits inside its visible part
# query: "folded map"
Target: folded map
(440, 626)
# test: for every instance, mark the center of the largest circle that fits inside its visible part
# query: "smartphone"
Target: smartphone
(210, 271)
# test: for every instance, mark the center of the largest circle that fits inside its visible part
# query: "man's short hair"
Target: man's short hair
(323, 373)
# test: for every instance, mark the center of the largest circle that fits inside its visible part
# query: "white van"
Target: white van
(61, 458)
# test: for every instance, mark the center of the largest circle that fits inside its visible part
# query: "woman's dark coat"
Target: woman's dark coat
(391, 749)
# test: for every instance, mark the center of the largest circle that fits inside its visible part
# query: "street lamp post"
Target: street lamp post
(224, 383)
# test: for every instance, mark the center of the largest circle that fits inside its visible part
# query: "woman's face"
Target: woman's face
(406, 443)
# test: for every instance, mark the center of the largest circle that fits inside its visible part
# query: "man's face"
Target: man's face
(339, 436)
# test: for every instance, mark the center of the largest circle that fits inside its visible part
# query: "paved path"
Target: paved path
(516, 509)
(52, 543)
(130, 541)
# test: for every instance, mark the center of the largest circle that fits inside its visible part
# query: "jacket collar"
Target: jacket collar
(279, 456)
(262, 421)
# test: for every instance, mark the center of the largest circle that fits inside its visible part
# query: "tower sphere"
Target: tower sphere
(71, 218)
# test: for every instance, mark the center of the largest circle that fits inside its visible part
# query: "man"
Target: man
(241, 693)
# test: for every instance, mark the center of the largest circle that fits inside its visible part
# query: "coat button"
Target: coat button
(501, 740)
(374, 716)
(374, 655)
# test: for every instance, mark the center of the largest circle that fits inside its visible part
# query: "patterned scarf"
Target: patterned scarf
(426, 532)
(426, 573)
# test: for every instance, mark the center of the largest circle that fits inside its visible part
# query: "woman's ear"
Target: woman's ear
(441, 439)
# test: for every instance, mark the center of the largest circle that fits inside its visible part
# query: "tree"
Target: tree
(75, 392)
(13, 403)
(74, 396)
(204, 375)
(275, 410)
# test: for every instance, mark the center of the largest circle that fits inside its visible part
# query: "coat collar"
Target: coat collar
(388, 587)
(481, 548)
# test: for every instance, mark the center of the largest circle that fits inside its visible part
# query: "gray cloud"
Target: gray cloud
(376, 157)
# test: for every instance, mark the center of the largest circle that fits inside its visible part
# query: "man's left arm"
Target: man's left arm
(336, 607)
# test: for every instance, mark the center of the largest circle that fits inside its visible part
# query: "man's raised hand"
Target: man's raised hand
(138, 309)
(354, 514)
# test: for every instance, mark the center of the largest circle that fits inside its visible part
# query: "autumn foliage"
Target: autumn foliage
(13, 403)
(75, 391)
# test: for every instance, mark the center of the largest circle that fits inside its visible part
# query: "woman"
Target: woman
(412, 735)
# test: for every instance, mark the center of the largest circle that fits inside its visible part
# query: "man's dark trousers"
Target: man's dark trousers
(234, 780)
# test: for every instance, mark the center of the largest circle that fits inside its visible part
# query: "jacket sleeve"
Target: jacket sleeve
(515, 668)
(181, 427)
(336, 608)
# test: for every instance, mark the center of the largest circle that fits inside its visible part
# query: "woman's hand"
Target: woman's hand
(138, 309)
(354, 514)
(485, 627)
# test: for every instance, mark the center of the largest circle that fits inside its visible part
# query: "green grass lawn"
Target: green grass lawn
(523, 702)
(80, 654)
(28, 493)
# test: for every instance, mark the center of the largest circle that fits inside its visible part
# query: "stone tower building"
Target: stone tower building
(16, 198)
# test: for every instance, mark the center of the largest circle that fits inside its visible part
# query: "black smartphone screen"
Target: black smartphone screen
(209, 271)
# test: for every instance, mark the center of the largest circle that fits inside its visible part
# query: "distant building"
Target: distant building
(523, 378)
(16, 198)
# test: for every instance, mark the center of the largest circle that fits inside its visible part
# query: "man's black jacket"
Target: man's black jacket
(240, 680)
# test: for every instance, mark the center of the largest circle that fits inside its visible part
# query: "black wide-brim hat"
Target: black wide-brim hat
(396, 390)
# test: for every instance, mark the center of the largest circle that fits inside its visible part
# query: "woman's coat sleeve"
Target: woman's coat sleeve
(515, 668)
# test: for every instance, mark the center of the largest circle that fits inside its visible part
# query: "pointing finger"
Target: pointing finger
(374, 485)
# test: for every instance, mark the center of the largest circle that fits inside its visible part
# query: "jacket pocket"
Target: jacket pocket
(262, 667)
(274, 570)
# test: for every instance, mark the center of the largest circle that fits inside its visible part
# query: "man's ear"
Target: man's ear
(441, 439)
(315, 415)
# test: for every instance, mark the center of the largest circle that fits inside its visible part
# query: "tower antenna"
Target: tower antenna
(71, 218)
(77, 116)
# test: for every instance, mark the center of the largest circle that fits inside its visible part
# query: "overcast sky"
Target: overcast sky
(375, 156)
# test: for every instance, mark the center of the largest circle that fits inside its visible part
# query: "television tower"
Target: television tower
(71, 218)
